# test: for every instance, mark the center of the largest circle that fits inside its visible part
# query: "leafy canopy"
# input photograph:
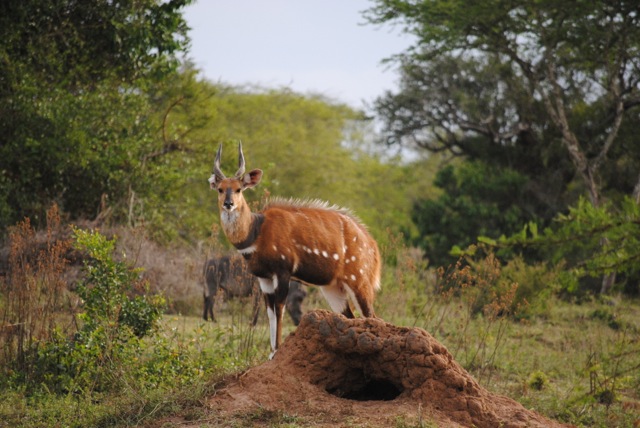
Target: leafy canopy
(523, 76)
(75, 120)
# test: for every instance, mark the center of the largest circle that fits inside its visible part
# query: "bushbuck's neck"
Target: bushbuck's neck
(241, 226)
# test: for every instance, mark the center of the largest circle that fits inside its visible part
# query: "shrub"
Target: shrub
(538, 380)
(32, 292)
(111, 326)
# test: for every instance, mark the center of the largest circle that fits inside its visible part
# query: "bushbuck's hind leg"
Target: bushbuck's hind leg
(336, 296)
(282, 290)
(364, 299)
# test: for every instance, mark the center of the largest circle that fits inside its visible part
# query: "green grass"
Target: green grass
(590, 364)
(588, 356)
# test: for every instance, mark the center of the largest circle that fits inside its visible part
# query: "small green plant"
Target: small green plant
(108, 289)
(538, 380)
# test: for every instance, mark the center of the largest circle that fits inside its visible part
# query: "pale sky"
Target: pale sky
(309, 46)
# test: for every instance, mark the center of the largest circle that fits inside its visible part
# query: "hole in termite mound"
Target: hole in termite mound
(358, 388)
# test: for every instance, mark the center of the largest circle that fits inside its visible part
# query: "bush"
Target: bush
(32, 292)
(538, 380)
(111, 325)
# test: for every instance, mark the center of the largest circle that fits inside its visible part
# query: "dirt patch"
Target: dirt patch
(334, 371)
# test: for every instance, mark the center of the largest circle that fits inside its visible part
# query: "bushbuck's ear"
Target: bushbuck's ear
(252, 178)
(212, 181)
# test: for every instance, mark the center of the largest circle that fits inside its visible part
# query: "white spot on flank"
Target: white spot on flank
(275, 248)
(347, 261)
(353, 277)
(315, 250)
(282, 257)
(353, 258)
(325, 254)
(355, 238)
(336, 256)
(361, 271)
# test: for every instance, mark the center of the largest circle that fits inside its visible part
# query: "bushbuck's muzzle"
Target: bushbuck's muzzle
(228, 202)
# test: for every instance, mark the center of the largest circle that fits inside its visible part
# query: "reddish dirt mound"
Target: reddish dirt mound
(334, 371)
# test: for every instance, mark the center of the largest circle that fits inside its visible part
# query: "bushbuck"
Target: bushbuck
(309, 241)
(232, 276)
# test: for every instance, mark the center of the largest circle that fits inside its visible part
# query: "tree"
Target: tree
(521, 78)
(577, 63)
(476, 200)
(75, 119)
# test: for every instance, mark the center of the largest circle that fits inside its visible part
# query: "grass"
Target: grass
(577, 363)
(578, 352)
(590, 367)
(575, 348)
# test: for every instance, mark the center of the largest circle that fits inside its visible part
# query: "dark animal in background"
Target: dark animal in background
(296, 295)
(232, 276)
(228, 275)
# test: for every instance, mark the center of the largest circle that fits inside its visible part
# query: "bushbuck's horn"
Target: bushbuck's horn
(216, 165)
(240, 171)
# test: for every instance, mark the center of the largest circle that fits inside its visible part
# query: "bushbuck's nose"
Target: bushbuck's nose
(228, 200)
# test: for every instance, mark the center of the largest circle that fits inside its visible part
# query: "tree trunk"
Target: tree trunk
(588, 170)
(636, 191)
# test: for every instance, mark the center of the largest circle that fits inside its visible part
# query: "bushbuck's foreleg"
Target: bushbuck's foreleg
(275, 292)
(282, 291)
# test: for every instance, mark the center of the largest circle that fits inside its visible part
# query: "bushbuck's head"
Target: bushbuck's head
(230, 189)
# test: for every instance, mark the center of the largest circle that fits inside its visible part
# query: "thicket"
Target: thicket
(82, 340)
(501, 321)
(77, 123)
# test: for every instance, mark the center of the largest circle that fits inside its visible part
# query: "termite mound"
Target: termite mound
(373, 372)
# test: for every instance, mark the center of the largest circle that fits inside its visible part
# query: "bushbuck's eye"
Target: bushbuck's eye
(220, 191)
(238, 190)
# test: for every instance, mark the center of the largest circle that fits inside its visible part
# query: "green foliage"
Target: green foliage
(592, 241)
(75, 121)
(477, 199)
(107, 287)
(538, 380)
(475, 84)
(112, 325)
